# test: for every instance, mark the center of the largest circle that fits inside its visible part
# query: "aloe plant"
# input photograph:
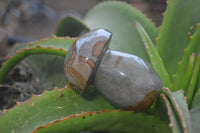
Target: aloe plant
(173, 51)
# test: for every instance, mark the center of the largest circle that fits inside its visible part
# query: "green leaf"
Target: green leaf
(107, 121)
(193, 82)
(180, 108)
(195, 115)
(53, 42)
(118, 17)
(188, 73)
(70, 26)
(50, 106)
(55, 46)
(198, 84)
(193, 47)
(48, 70)
(154, 57)
(178, 19)
(174, 124)
(195, 112)
(196, 100)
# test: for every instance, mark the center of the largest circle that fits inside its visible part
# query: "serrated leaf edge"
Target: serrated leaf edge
(176, 75)
(33, 96)
(52, 37)
(176, 107)
(12, 61)
(169, 111)
(75, 115)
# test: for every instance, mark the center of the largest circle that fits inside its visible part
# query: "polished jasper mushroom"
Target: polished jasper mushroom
(124, 79)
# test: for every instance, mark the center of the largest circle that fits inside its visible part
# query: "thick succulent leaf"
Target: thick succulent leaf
(180, 108)
(55, 46)
(198, 84)
(54, 42)
(184, 115)
(193, 47)
(107, 121)
(70, 26)
(193, 82)
(118, 17)
(174, 123)
(154, 57)
(195, 113)
(50, 106)
(188, 73)
(48, 69)
(173, 36)
(195, 118)
(20, 55)
(196, 100)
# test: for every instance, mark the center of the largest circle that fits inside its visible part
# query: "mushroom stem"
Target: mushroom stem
(126, 79)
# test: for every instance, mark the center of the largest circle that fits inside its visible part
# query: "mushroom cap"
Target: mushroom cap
(84, 57)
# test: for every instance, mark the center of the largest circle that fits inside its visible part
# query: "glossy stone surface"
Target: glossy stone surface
(127, 81)
(84, 57)
(124, 79)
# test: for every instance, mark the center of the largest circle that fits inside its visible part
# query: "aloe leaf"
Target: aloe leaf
(191, 89)
(193, 47)
(188, 73)
(154, 57)
(54, 42)
(106, 121)
(198, 84)
(49, 71)
(174, 124)
(50, 106)
(70, 26)
(195, 113)
(196, 100)
(118, 17)
(55, 46)
(180, 108)
(179, 17)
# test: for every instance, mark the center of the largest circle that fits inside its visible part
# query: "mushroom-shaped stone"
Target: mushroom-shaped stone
(124, 79)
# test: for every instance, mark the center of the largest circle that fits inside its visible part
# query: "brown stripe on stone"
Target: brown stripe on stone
(120, 58)
(145, 103)
(78, 78)
(83, 60)
(98, 47)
